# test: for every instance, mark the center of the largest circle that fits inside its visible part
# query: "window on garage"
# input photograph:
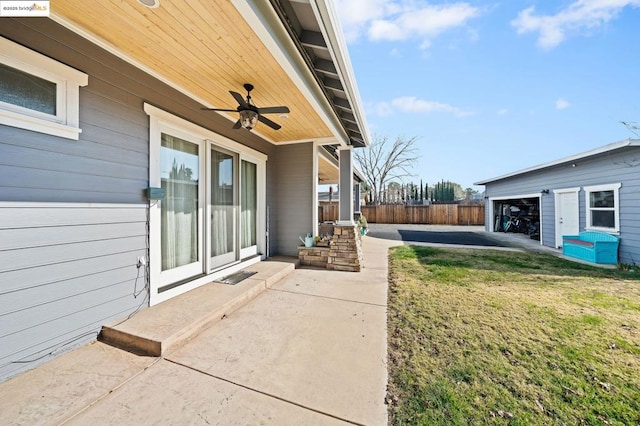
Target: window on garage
(603, 207)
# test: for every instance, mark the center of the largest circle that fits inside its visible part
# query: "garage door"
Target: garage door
(518, 215)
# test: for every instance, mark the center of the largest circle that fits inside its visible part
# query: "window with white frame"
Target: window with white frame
(603, 207)
(38, 93)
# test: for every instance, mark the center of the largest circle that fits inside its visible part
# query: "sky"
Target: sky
(489, 88)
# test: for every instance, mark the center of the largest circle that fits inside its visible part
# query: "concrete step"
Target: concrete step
(159, 329)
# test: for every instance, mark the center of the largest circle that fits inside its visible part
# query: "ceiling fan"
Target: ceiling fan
(251, 114)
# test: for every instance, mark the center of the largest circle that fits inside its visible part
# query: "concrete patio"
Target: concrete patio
(308, 349)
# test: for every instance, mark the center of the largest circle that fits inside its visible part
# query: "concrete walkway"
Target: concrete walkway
(309, 350)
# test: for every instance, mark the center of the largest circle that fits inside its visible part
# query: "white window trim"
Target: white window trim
(564, 190)
(66, 122)
(615, 187)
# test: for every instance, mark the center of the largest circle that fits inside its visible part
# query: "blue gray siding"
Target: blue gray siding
(65, 269)
(291, 206)
(622, 166)
(73, 218)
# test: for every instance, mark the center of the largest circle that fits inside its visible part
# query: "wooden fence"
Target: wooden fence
(328, 212)
(434, 214)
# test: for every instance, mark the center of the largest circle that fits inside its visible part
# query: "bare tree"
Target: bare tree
(384, 161)
(632, 126)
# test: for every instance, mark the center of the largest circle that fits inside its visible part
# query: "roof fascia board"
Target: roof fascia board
(266, 23)
(335, 163)
(329, 158)
(330, 26)
(594, 152)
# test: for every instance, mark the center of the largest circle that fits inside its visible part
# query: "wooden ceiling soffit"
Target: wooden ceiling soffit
(327, 171)
(202, 48)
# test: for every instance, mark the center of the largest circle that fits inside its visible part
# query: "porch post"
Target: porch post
(345, 216)
(314, 185)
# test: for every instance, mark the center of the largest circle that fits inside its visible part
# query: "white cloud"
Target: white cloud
(413, 105)
(562, 104)
(381, 109)
(355, 15)
(385, 20)
(425, 44)
(503, 111)
(474, 35)
(578, 17)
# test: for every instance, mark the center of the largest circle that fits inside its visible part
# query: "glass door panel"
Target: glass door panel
(248, 208)
(223, 211)
(180, 225)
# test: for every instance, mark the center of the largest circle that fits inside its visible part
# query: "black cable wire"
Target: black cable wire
(57, 348)
(136, 293)
(147, 281)
(132, 313)
(135, 285)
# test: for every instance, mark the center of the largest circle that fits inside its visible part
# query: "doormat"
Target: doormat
(234, 279)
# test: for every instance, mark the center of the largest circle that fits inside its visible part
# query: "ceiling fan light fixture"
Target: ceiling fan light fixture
(248, 119)
(249, 113)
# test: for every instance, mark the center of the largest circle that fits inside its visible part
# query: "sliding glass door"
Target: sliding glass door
(211, 216)
(180, 224)
(248, 208)
(223, 207)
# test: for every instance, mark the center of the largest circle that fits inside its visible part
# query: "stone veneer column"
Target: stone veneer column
(345, 253)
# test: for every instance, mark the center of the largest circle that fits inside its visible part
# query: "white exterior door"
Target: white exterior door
(567, 213)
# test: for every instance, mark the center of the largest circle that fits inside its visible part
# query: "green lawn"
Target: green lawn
(484, 336)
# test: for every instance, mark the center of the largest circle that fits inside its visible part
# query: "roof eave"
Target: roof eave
(573, 158)
(330, 156)
(329, 23)
(266, 22)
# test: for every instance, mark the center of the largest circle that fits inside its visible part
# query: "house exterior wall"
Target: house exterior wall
(621, 166)
(290, 207)
(73, 216)
(65, 269)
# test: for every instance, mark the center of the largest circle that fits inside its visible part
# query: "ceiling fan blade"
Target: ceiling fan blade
(274, 110)
(265, 120)
(238, 97)
(219, 109)
(237, 125)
